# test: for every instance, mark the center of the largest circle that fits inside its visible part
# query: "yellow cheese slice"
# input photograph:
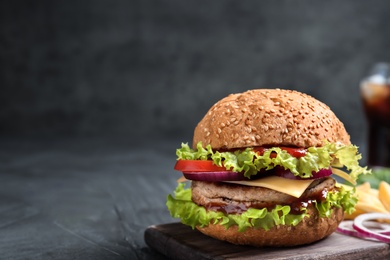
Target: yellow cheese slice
(291, 187)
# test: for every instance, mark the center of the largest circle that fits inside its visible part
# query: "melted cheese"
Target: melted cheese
(294, 188)
(291, 187)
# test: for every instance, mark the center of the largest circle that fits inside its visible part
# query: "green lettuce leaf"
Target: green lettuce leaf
(250, 162)
(181, 206)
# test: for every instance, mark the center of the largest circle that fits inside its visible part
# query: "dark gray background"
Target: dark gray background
(152, 68)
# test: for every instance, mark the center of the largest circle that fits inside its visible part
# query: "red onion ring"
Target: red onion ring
(362, 224)
(215, 176)
(346, 228)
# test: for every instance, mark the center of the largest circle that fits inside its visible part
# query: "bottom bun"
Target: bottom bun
(309, 230)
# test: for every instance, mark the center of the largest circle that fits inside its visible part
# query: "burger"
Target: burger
(267, 168)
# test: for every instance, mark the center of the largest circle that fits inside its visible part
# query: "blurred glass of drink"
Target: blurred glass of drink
(375, 93)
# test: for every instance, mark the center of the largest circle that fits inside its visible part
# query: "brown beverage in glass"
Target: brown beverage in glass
(375, 92)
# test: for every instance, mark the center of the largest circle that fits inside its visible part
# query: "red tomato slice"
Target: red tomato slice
(295, 152)
(197, 166)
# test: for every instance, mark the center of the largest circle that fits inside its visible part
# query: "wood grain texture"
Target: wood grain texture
(178, 241)
(82, 199)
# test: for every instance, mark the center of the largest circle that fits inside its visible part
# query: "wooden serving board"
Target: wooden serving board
(178, 241)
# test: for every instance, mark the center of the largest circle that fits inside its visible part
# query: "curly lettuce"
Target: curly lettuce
(181, 206)
(251, 162)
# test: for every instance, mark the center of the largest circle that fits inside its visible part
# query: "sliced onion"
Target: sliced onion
(215, 176)
(360, 224)
(346, 228)
(286, 173)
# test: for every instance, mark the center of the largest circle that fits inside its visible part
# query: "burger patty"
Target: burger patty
(235, 198)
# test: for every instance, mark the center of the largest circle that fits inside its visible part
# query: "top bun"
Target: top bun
(269, 117)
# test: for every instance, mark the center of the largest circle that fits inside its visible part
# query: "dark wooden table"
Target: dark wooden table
(78, 198)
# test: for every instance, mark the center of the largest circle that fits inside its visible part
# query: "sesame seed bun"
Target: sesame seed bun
(311, 229)
(269, 117)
